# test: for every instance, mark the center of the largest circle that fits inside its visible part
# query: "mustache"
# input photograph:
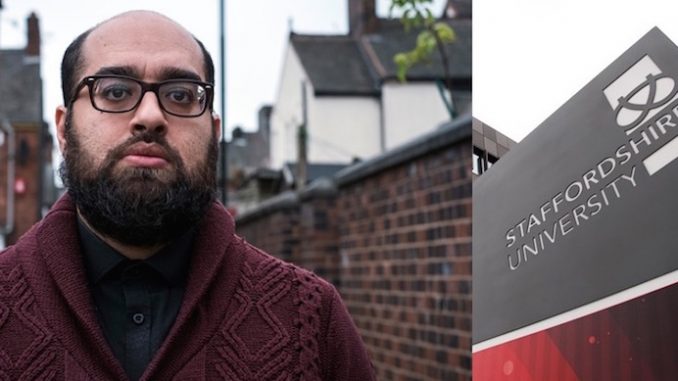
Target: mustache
(148, 137)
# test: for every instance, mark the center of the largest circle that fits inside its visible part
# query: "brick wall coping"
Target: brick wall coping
(447, 134)
(285, 200)
(323, 187)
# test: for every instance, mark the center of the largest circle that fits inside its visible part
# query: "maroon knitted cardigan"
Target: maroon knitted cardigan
(245, 316)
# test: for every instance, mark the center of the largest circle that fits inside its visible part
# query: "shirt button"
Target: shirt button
(138, 318)
(134, 272)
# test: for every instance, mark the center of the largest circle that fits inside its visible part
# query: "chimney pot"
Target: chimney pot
(362, 17)
(33, 45)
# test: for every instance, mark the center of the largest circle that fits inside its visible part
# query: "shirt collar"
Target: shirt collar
(171, 261)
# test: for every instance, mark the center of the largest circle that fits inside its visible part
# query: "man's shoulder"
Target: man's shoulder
(61, 211)
(8, 257)
(11, 258)
(25, 244)
(260, 261)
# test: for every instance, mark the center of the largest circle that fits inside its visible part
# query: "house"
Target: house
(26, 174)
(248, 151)
(343, 88)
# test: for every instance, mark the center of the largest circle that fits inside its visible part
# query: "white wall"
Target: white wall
(411, 109)
(341, 128)
(286, 115)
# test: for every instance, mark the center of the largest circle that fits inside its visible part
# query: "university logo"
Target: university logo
(639, 93)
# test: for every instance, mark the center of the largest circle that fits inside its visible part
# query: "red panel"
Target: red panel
(628, 342)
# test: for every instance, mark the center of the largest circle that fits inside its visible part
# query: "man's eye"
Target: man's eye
(180, 95)
(115, 93)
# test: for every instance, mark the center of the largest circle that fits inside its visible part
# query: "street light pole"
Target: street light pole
(222, 143)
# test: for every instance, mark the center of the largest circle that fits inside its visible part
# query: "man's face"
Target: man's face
(151, 49)
(142, 162)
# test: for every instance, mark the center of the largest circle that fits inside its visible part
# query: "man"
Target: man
(136, 273)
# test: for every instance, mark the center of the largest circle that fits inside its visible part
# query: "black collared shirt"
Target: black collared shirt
(136, 301)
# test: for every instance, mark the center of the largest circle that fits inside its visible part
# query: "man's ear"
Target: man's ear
(60, 119)
(216, 125)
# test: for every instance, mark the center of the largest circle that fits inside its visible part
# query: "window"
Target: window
(482, 161)
(479, 163)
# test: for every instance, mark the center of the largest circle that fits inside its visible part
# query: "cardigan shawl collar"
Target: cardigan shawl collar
(59, 269)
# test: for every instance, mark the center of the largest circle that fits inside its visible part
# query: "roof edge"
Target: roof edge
(347, 93)
(283, 201)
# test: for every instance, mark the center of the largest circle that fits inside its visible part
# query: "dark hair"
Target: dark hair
(72, 63)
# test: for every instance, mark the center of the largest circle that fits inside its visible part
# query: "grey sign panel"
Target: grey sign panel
(587, 204)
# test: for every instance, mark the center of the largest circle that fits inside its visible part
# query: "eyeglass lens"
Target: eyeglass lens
(122, 94)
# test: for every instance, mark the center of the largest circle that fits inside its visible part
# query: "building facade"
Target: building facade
(26, 174)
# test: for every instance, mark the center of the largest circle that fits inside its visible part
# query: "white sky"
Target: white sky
(531, 56)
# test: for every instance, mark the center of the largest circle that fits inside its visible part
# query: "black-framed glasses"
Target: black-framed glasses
(186, 98)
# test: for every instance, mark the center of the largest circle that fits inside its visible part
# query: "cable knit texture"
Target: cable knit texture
(246, 316)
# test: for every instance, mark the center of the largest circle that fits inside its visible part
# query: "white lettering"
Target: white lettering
(510, 236)
(544, 209)
(578, 213)
(511, 265)
(557, 201)
(520, 226)
(579, 188)
(623, 153)
(551, 238)
(563, 229)
(631, 178)
(533, 251)
(601, 167)
(534, 221)
(644, 139)
(591, 204)
(663, 122)
(590, 177)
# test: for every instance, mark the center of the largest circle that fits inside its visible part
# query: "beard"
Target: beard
(138, 206)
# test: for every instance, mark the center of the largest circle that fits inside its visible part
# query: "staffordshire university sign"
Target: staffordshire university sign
(578, 224)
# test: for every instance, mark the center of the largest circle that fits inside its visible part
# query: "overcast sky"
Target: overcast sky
(531, 56)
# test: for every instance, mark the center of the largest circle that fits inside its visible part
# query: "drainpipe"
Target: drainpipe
(302, 142)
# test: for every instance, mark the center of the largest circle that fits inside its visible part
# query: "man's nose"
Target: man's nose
(149, 115)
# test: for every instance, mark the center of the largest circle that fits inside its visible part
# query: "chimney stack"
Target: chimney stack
(362, 17)
(33, 45)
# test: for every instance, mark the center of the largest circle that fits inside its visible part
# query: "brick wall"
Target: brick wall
(274, 230)
(300, 228)
(405, 247)
(319, 249)
(394, 235)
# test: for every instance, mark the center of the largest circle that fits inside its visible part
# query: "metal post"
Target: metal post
(223, 145)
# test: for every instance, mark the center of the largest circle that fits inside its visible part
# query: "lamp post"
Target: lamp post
(222, 143)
